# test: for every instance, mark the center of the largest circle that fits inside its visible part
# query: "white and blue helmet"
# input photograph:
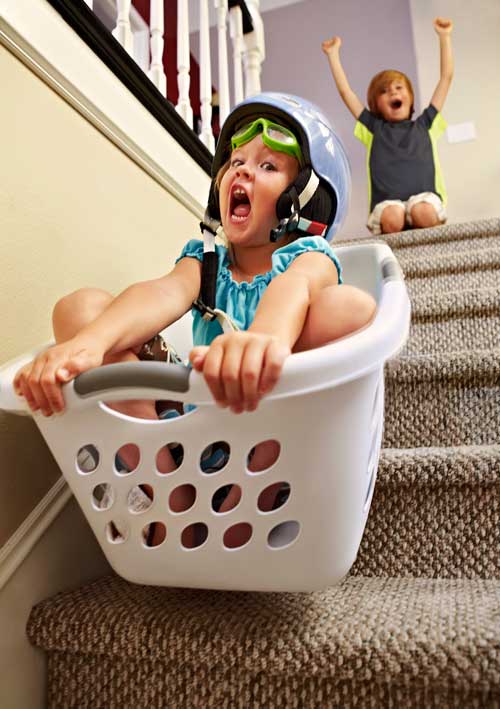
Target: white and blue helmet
(321, 191)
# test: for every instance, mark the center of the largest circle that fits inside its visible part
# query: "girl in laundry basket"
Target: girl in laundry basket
(279, 173)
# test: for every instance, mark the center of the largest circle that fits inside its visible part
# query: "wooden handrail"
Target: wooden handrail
(91, 30)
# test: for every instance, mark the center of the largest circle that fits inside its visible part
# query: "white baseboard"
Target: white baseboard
(17, 548)
(35, 33)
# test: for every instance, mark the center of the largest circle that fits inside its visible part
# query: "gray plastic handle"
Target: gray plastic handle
(391, 270)
(143, 375)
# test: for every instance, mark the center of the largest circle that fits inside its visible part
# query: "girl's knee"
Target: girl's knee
(77, 309)
(358, 306)
(337, 312)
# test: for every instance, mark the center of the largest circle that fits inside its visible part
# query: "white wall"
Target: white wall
(376, 35)
(472, 169)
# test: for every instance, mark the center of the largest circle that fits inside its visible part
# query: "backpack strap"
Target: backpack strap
(205, 303)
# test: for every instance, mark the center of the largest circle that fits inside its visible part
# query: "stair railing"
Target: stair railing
(240, 18)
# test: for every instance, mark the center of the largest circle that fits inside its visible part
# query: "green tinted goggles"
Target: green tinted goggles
(274, 136)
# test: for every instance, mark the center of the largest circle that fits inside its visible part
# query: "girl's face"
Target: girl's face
(394, 102)
(250, 189)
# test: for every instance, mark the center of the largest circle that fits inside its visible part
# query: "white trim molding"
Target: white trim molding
(17, 548)
(35, 33)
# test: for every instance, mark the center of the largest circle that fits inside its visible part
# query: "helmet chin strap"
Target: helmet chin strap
(295, 221)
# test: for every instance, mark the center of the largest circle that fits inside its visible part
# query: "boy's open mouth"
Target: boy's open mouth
(396, 103)
(240, 204)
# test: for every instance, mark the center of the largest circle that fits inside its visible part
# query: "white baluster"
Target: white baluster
(156, 72)
(221, 7)
(122, 31)
(206, 135)
(183, 106)
(254, 51)
(236, 32)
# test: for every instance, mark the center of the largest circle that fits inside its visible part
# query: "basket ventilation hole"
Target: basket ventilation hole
(87, 458)
(273, 497)
(140, 498)
(103, 496)
(154, 534)
(226, 498)
(283, 534)
(263, 455)
(169, 458)
(194, 535)
(237, 535)
(127, 458)
(182, 498)
(214, 457)
(116, 532)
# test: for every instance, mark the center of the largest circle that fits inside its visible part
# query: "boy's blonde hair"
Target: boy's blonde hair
(378, 84)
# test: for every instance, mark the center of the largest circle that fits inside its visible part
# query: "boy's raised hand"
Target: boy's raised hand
(40, 380)
(330, 45)
(240, 367)
(443, 25)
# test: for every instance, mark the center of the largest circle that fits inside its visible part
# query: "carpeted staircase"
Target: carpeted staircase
(416, 623)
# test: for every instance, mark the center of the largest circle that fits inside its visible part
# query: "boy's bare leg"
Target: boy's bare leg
(424, 215)
(392, 219)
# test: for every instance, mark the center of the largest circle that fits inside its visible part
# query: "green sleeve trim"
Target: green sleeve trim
(362, 133)
(435, 132)
(438, 127)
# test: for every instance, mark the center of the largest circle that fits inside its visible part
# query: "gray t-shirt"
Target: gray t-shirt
(402, 156)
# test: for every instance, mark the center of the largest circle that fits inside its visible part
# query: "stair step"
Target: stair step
(457, 262)
(443, 400)
(454, 322)
(435, 513)
(454, 282)
(368, 642)
(432, 247)
(445, 237)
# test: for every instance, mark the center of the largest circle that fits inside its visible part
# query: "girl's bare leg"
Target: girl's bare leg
(338, 311)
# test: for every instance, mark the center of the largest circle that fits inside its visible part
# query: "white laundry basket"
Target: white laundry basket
(326, 413)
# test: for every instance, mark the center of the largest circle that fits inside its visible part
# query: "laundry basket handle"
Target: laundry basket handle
(132, 375)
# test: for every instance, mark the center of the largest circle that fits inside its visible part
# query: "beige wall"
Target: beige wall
(74, 211)
(65, 557)
(471, 170)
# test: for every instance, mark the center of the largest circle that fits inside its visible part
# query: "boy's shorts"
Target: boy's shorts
(373, 222)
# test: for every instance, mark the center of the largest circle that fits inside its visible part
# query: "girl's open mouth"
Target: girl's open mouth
(240, 204)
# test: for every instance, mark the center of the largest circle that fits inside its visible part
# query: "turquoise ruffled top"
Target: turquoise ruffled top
(240, 300)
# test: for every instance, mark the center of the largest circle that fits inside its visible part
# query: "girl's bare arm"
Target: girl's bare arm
(241, 367)
(133, 317)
